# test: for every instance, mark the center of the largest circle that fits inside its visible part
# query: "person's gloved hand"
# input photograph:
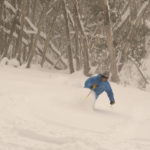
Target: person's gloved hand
(112, 102)
(94, 86)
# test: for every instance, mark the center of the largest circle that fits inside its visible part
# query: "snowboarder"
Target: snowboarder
(99, 84)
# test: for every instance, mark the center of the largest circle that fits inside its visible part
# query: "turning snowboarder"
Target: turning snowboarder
(99, 84)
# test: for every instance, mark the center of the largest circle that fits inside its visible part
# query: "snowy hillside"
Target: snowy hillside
(47, 111)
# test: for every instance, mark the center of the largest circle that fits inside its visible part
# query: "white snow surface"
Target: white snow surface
(47, 110)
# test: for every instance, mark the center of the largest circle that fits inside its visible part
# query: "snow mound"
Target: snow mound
(12, 62)
(4, 61)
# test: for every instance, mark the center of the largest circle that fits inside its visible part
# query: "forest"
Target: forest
(87, 35)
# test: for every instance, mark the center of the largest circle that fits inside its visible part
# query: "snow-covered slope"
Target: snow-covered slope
(48, 111)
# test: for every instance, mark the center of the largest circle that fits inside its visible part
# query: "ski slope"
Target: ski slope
(44, 110)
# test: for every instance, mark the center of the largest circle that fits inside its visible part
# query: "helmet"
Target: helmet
(105, 74)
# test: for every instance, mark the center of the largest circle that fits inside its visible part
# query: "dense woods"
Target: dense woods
(76, 34)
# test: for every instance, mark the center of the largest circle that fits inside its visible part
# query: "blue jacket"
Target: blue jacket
(101, 86)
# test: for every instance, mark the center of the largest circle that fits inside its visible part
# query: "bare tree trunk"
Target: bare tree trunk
(1, 32)
(70, 58)
(33, 47)
(85, 42)
(33, 20)
(77, 54)
(110, 46)
(86, 57)
(46, 44)
(78, 66)
(20, 34)
(24, 56)
(133, 11)
(1, 9)
(14, 22)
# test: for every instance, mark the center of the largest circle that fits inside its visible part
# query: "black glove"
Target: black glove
(112, 102)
